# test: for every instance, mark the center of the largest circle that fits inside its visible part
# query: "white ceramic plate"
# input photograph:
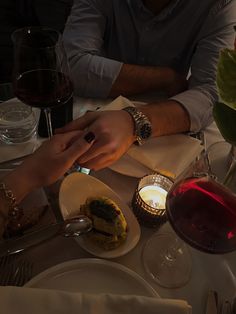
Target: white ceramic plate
(74, 191)
(128, 166)
(91, 275)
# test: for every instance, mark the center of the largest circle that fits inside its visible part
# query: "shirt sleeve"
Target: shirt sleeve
(216, 33)
(92, 73)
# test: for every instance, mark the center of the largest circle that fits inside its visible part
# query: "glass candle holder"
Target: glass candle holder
(149, 199)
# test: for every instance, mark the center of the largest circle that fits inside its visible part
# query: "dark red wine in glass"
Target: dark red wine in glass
(41, 71)
(203, 214)
(43, 88)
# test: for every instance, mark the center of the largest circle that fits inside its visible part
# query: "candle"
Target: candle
(154, 196)
(149, 199)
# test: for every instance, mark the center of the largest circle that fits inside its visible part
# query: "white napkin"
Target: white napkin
(8, 152)
(169, 155)
(17, 300)
(117, 104)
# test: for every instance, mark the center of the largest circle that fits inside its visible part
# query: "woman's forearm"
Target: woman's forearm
(14, 186)
(18, 182)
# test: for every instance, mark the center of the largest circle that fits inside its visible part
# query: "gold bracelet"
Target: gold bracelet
(14, 212)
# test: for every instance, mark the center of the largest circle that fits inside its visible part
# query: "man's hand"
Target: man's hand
(113, 136)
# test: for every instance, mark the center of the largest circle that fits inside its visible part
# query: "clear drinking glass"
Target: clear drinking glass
(17, 122)
(221, 158)
(41, 72)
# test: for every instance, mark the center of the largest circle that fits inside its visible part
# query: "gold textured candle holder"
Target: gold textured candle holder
(148, 201)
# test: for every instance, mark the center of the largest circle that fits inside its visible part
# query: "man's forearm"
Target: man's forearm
(137, 79)
(168, 117)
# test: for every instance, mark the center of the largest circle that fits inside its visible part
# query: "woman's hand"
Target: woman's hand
(55, 157)
(113, 132)
(48, 163)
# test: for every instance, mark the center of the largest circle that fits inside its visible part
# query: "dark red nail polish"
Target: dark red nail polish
(89, 137)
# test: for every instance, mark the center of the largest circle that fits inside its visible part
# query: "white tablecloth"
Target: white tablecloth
(209, 271)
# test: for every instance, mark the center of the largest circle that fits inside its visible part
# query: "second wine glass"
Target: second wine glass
(202, 212)
(41, 72)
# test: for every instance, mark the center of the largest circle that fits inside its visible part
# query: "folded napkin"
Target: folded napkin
(169, 155)
(117, 104)
(9, 152)
(17, 300)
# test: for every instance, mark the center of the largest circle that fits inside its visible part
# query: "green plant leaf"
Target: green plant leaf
(225, 118)
(226, 77)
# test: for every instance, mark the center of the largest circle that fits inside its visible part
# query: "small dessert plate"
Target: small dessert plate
(74, 191)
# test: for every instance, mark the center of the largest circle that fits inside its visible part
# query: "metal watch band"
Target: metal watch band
(142, 125)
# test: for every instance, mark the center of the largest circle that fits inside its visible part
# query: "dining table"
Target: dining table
(209, 271)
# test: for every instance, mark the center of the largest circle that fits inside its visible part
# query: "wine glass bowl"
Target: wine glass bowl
(202, 212)
(41, 72)
(219, 157)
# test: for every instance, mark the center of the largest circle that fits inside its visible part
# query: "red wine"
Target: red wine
(60, 116)
(43, 88)
(203, 213)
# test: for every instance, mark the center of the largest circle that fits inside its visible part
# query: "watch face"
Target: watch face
(145, 131)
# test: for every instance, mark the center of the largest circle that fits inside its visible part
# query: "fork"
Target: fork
(14, 273)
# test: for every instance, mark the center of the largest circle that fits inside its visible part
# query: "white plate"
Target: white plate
(92, 276)
(74, 191)
(128, 166)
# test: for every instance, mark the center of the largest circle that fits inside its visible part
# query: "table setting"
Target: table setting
(70, 272)
(208, 271)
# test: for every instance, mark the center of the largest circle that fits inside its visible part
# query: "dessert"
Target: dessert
(30, 217)
(109, 224)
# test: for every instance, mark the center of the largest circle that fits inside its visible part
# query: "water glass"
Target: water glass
(17, 122)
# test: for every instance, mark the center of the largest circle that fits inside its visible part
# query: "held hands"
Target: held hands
(53, 159)
(113, 132)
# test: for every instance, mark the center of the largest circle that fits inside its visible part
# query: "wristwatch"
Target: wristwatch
(142, 125)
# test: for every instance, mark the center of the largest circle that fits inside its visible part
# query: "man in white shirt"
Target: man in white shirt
(133, 47)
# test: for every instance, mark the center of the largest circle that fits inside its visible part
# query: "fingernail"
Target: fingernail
(89, 137)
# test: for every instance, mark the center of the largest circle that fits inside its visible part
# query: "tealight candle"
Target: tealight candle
(154, 196)
(149, 199)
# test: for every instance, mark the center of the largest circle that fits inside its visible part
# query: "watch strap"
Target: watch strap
(142, 125)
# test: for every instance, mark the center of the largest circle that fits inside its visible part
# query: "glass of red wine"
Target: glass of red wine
(41, 72)
(202, 212)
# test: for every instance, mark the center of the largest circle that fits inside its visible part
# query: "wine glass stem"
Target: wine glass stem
(47, 112)
(170, 253)
(230, 177)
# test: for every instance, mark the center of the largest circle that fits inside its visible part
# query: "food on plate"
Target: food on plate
(109, 224)
(29, 218)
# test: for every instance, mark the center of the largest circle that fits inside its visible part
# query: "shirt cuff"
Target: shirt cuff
(199, 107)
